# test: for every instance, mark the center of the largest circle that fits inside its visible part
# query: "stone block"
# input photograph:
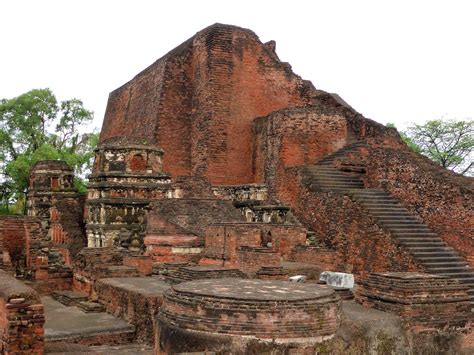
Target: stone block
(337, 279)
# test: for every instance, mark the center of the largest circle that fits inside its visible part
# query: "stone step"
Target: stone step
(327, 169)
(460, 275)
(434, 265)
(69, 297)
(414, 249)
(420, 239)
(402, 223)
(341, 179)
(371, 193)
(423, 244)
(374, 196)
(441, 259)
(91, 307)
(393, 209)
(390, 214)
(72, 325)
(322, 167)
(335, 189)
(468, 281)
(413, 234)
(447, 269)
(338, 183)
(331, 175)
(423, 254)
(374, 201)
(339, 187)
(384, 217)
(408, 229)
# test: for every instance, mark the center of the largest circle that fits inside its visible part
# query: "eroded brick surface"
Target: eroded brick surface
(21, 318)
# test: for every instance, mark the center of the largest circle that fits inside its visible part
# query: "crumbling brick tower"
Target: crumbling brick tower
(53, 199)
(127, 176)
(49, 178)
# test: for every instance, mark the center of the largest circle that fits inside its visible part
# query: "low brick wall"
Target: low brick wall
(143, 264)
(425, 302)
(251, 259)
(58, 280)
(13, 238)
(238, 244)
(132, 302)
(21, 318)
(325, 259)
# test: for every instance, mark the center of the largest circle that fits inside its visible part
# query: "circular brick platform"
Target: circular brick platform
(209, 313)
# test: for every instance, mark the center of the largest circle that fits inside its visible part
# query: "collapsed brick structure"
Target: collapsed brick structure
(218, 161)
(224, 107)
(54, 200)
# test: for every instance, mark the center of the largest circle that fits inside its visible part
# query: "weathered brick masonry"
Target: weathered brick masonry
(222, 105)
(198, 102)
(13, 239)
(21, 318)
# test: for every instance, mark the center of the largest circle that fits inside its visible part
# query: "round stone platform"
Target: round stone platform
(254, 290)
(209, 313)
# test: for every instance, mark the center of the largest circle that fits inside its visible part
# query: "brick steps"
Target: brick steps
(69, 298)
(71, 324)
(324, 176)
(427, 248)
(328, 160)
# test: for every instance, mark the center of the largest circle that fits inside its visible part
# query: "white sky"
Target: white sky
(393, 61)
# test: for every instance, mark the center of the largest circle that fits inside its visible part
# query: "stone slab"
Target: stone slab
(148, 286)
(337, 279)
(258, 290)
(71, 324)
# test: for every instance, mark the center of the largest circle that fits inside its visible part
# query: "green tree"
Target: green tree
(35, 126)
(408, 141)
(450, 143)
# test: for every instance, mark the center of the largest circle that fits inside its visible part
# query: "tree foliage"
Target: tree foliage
(35, 126)
(450, 143)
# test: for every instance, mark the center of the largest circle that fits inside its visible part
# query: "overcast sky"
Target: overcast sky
(393, 61)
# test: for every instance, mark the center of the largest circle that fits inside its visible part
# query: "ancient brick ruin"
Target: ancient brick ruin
(220, 174)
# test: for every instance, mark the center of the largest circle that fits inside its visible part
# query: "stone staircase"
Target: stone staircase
(427, 248)
(324, 176)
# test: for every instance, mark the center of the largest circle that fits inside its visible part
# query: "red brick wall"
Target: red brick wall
(137, 308)
(198, 102)
(225, 241)
(250, 261)
(12, 233)
(21, 318)
(323, 258)
(296, 137)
